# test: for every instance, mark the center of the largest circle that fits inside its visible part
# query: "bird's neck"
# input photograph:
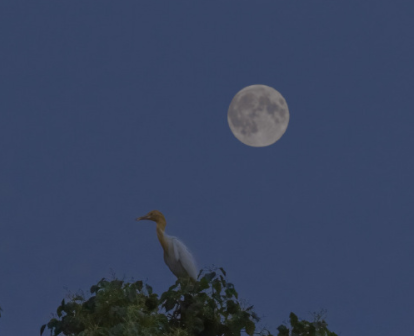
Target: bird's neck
(161, 234)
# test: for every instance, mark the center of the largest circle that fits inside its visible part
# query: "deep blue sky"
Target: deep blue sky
(110, 109)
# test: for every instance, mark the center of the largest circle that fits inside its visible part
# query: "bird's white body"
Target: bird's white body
(176, 255)
(179, 259)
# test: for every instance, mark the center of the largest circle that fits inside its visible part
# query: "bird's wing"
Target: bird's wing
(184, 256)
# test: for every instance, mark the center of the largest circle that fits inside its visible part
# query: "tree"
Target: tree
(208, 307)
(302, 327)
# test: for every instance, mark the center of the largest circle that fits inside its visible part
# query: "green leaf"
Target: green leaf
(250, 327)
(222, 271)
(202, 297)
(330, 333)
(174, 286)
(209, 306)
(203, 284)
(59, 311)
(53, 323)
(217, 286)
(231, 292)
(117, 283)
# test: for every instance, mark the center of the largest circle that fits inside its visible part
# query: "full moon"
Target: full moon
(258, 115)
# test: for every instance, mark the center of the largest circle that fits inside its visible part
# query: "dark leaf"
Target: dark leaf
(311, 330)
(94, 289)
(283, 330)
(151, 303)
(232, 307)
(102, 283)
(169, 304)
(293, 319)
(255, 317)
(71, 325)
(149, 289)
(130, 294)
(209, 276)
(117, 283)
(199, 273)
(208, 307)
(198, 325)
(53, 323)
(164, 296)
(70, 307)
(139, 285)
(90, 304)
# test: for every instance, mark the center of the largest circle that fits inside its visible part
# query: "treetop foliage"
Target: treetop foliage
(208, 307)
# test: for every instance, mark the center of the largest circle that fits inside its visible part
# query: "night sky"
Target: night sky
(110, 109)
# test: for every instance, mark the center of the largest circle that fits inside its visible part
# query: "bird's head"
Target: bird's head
(154, 215)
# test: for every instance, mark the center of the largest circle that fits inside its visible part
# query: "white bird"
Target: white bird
(176, 255)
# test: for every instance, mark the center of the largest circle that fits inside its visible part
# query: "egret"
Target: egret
(176, 255)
